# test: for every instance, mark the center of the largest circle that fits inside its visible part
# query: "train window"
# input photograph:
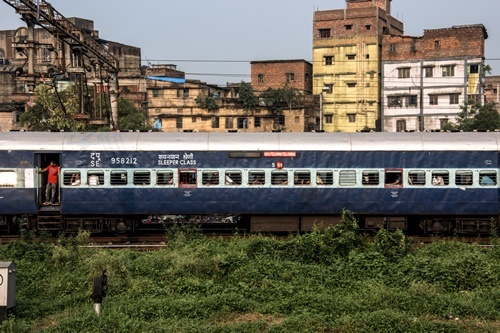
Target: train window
(487, 178)
(416, 178)
(95, 178)
(210, 177)
(371, 178)
(233, 178)
(256, 177)
(118, 177)
(324, 177)
(302, 178)
(279, 178)
(142, 177)
(463, 177)
(393, 177)
(8, 178)
(187, 177)
(71, 178)
(440, 178)
(347, 178)
(164, 178)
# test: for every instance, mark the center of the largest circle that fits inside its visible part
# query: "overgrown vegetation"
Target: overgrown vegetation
(325, 281)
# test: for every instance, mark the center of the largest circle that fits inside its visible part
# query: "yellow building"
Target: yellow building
(347, 62)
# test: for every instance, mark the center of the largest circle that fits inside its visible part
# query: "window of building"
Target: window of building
(404, 73)
(256, 177)
(463, 177)
(368, 27)
(433, 99)
(194, 119)
(437, 44)
(118, 177)
(351, 84)
(229, 122)
(416, 177)
(178, 122)
(329, 87)
(475, 98)
(290, 77)
(279, 178)
(279, 120)
(210, 177)
(156, 93)
(164, 178)
(392, 48)
(401, 126)
(371, 177)
(256, 121)
(454, 98)
(328, 118)
(348, 27)
(347, 178)
(351, 57)
(328, 60)
(474, 69)
(448, 70)
(142, 177)
(232, 177)
(324, 33)
(429, 71)
(307, 78)
(324, 177)
(440, 178)
(260, 78)
(367, 56)
(351, 117)
(215, 122)
(297, 119)
(412, 100)
(183, 92)
(394, 101)
(242, 122)
(45, 55)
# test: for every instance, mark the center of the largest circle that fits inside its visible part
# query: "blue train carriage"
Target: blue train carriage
(424, 182)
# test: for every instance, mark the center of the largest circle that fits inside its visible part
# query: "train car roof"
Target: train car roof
(284, 141)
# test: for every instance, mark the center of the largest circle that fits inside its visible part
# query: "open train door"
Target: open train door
(42, 160)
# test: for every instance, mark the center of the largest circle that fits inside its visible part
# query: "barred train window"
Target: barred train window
(232, 177)
(71, 178)
(487, 178)
(187, 177)
(256, 177)
(347, 178)
(142, 178)
(463, 177)
(371, 178)
(8, 178)
(164, 178)
(118, 177)
(210, 177)
(279, 178)
(440, 178)
(416, 178)
(95, 178)
(302, 178)
(324, 177)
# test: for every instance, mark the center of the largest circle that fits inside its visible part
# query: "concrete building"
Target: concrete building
(346, 63)
(426, 79)
(29, 59)
(492, 90)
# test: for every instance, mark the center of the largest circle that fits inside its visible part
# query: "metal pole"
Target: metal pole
(321, 111)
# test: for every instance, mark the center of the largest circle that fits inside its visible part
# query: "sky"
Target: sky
(214, 41)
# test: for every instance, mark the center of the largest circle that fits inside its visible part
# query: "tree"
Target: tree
(277, 99)
(130, 118)
(475, 116)
(206, 102)
(52, 110)
(247, 97)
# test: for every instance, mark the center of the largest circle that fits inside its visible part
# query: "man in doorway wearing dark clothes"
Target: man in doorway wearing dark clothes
(52, 179)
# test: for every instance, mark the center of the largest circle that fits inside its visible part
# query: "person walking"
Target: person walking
(52, 180)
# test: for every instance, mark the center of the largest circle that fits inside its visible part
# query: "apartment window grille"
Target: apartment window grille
(448, 71)
(324, 33)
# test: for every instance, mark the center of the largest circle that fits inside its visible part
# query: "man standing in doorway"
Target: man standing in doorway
(52, 179)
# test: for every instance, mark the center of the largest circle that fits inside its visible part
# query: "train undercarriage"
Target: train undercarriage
(480, 226)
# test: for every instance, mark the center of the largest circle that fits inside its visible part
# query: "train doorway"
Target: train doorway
(42, 161)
